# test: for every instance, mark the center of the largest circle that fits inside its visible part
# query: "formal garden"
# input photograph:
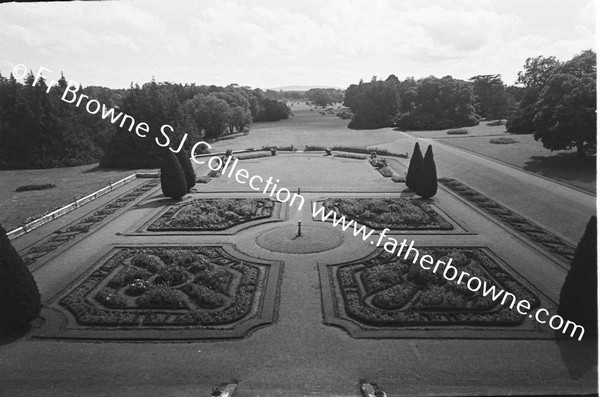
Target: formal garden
(187, 254)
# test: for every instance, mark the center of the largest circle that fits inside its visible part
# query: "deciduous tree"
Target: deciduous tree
(566, 109)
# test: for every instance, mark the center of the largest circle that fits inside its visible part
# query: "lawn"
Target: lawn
(479, 130)
(530, 155)
(71, 183)
(307, 127)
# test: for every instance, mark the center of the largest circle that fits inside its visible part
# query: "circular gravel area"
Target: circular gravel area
(284, 239)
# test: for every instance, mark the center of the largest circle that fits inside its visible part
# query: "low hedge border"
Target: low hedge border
(533, 232)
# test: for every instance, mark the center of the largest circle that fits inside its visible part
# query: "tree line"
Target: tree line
(553, 100)
(39, 130)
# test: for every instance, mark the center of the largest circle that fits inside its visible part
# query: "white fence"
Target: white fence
(68, 208)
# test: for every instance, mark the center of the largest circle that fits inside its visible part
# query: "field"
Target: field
(71, 183)
(307, 128)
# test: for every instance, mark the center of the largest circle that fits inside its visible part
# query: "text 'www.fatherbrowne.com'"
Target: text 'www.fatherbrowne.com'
(449, 272)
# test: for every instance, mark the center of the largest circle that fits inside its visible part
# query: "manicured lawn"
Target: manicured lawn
(531, 156)
(71, 183)
(307, 128)
(479, 130)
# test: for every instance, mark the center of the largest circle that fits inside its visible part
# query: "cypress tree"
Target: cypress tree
(416, 162)
(188, 169)
(578, 294)
(426, 185)
(20, 300)
(172, 177)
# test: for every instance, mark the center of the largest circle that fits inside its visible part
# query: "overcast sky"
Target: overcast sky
(278, 43)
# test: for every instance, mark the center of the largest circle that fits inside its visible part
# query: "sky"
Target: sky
(280, 43)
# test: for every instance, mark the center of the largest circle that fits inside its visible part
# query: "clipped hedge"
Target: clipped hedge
(414, 167)
(426, 185)
(578, 294)
(172, 178)
(188, 169)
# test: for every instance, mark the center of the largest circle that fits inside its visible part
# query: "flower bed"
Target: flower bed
(83, 226)
(393, 213)
(166, 286)
(518, 223)
(212, 214)
(389, 291)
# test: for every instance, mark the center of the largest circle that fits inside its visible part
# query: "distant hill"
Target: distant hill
(301, 87)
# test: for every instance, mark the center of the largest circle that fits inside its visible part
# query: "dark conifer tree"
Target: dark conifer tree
(426, 185)
(416, 162)
(172, 177)
(188, 169)
(578, 295)
(20, 300)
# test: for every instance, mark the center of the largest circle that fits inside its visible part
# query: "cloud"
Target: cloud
(270, 43)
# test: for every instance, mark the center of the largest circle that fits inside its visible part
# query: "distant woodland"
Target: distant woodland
(39, 130)
(555, 101)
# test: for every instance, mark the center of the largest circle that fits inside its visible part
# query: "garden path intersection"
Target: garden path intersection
(449, 272)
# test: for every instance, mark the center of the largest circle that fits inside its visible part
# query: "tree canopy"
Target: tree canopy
(428, 103)
(534, 76)
(565, 113)
(40, 130)
(491, 100)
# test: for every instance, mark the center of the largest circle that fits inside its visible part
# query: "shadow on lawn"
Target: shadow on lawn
(158, 202)
(564, 166)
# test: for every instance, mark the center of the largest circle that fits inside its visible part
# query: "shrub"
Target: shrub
(171, 275)
(503, 140)
(188, 169)
(577, 301)
(378, 163)
(203, 296)
(426, 185)
(462, 131)
(313, 148)
(497, 123)
(160, 296)
(26, 188)
(345, 115)
(20, 300)
(363, 150)
(350, 156)
(253, 156)
(386, 171)
(416, 162)
(172, 178)
(289, 148)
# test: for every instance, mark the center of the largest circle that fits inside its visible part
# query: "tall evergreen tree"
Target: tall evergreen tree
(578, 294)
(172, 177)
(426, 186)
(416, 162)
(20, 300)
(186, 164)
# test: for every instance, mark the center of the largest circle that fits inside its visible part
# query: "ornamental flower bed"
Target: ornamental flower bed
(212, 214)
(167, 286)
(535, 233)
(388, 291)
(393, 213)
